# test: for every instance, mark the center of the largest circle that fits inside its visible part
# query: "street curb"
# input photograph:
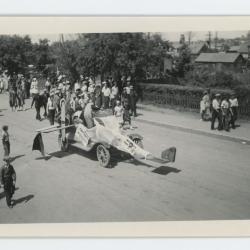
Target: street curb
(195, 131)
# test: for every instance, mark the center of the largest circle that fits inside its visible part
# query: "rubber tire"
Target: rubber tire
(138, 142)
(102, 151)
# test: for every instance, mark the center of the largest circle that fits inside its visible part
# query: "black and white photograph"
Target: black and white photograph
(125, 126)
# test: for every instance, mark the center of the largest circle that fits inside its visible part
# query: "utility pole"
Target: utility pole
(209, 39)
(216, 40)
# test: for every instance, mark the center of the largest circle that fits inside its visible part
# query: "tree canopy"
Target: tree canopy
(104, 54)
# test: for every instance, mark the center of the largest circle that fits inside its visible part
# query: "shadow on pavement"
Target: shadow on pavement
(59, 154)
(16, 157)
(46, 158)
(164, 170)
(2, 195)
(23, 199)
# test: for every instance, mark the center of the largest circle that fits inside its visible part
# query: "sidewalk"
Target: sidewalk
(190, 122)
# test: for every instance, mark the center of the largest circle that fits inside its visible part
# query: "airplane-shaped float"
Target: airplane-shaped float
(105, 135)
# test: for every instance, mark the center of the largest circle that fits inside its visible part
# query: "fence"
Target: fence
(185, 101)
(175, 101)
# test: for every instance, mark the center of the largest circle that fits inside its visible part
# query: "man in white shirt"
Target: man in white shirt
(48, 84)
(106, 95)
(51, 108)
(225, 114)
(216, 112)
(114, 95)
(34, 87)
(234, 109)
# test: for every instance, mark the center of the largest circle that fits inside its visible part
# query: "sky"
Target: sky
(171, 36)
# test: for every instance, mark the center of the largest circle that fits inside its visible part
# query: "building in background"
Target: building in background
(227, 62)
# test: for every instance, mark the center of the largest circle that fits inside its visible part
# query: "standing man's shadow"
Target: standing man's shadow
(2, 194)
(24, 199)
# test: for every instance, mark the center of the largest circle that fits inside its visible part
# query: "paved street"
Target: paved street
(209, 180)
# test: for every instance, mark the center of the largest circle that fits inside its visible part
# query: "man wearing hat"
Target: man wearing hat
(133, 100)
(8, 180)
(37, 99)
(51, 108)
(216, 112)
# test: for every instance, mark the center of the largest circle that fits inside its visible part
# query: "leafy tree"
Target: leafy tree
(41, 56)
(183, 62)
(14, 53)
(116, 54)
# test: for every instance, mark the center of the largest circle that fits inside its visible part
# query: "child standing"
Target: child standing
(6, 141)
(126, 113)
(118, 112)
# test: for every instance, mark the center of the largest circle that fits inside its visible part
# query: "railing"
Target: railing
(186, 102)
(171, 100)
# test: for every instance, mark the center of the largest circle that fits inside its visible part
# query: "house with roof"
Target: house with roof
(244, 49)
(234, 49)
(196, 49)
(230, 62)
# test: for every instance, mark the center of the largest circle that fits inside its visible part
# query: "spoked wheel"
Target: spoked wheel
(103, 155)
(63, 144)
(138, 142)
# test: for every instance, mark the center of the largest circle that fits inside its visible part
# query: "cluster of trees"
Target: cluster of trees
(17, 53)
(116, 54)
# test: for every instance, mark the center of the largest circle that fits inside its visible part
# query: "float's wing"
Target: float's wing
(53, 128)
(38, 144)
(167, 155)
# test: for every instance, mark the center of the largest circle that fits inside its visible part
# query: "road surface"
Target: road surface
(210, 179)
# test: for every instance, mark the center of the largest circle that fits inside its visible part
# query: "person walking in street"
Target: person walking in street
(34, 87)
(234, 105)
(114, 96)
(126, 113)
(48, 84)
(216, 112)
(106, 95)
(20, 97)
(6, 140)
(27, 84)
(133, 100)
(38, 104)
(12, 99)
(51, 108)
(98, 96)
(8, 180)
(118, 112)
